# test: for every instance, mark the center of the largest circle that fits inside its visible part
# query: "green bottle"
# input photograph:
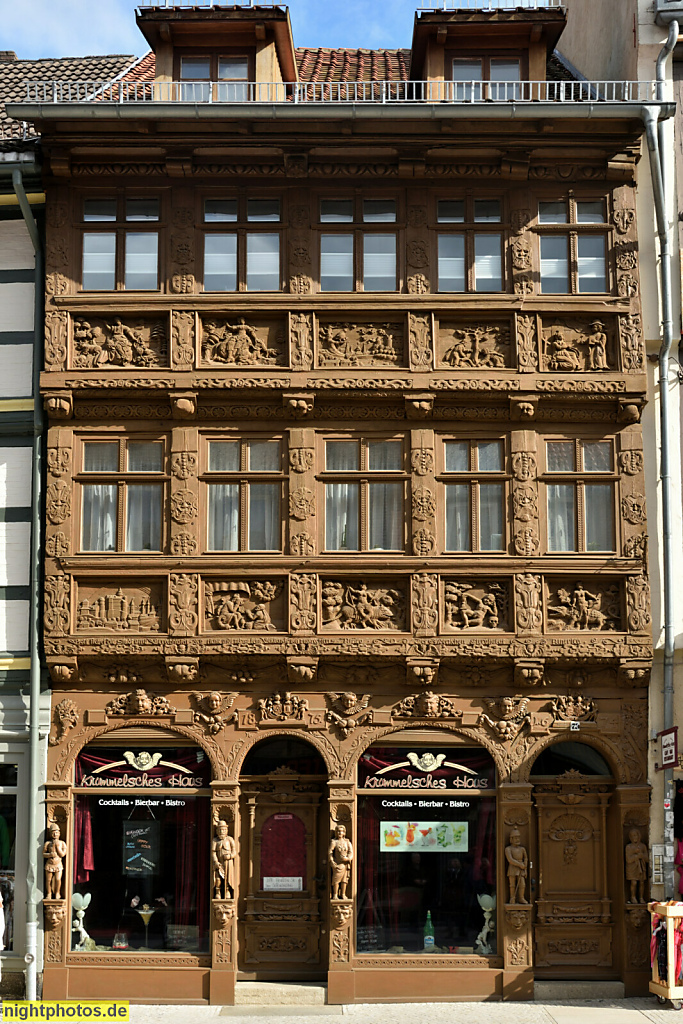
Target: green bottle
(428, 932)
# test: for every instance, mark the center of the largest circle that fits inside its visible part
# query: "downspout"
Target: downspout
(656, 143)
(33, 895)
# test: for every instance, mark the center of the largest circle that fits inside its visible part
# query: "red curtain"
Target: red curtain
(192, 865)
(84, 856)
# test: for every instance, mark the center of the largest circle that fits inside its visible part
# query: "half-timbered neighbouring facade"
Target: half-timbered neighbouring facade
(346, 594)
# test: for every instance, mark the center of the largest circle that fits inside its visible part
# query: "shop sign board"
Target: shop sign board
(141, 847)
(668, 747)
(443, 768)
(170, 768)
(290, 884)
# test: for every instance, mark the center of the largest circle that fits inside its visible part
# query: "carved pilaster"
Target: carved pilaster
(418, 270)
(301, 341)
(514, 840)
(303, 602)
(184, 501)
(524, 461)
(182, 273)
(302, 491)
(58, 521)
(421, 341)
(423, 493)
(521, 244)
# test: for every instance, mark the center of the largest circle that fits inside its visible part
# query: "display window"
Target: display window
(427, 851)
(8, 831)
(142, 850)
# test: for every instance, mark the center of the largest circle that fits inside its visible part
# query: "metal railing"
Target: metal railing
(231, 93)
(208, 3)
(488, 5)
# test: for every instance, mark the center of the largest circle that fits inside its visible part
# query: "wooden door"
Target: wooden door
(573, 911)
(279, 912)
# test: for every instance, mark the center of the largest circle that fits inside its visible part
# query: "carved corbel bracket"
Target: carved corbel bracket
(628, 412)
(297, 406)
(302, 670)
(340, 912)
(223, 912)
(419, 405)
(183, 404)
(55, 912)
(634, 673)
(63, 670)
(182, 670)
(179, 166)
(59, 405)
(517, 917)
(524, 408)
(530, 672)
(422, 671)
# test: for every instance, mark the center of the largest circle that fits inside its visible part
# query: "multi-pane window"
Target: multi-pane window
(499, 73)
(474, 486)
(470, 257)
(122, 493)
(214, 78)
(573, 252)
(580, 494)
(245, 256)
(357, 249)
(120, 244)
(244, 489)
(364, 491)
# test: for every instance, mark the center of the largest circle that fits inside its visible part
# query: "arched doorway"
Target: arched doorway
(285, 836)
(574, 886)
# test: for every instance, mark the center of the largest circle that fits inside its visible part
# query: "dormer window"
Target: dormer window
(467, 72)
(223, 79)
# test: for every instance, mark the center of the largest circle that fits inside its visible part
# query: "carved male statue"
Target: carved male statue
(341, 859)
(518, 866)
(635, 856)
(54, 852)
(223, 854)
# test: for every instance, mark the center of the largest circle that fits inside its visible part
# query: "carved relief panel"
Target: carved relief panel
(360, 344)
(255, 604)
(476, 605)
(579, 344)
(572, 606)
(129, 608)
(473, 344)
(242, 341)
(115, 343)
(354, 605)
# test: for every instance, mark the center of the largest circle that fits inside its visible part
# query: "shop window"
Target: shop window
(580, 495)
(474, 488)
(142, 857)
(426, 850)
(573, 261)
(471, 259)
(117, 254)
(363, 259)
(122, 494)
(297, 755)
(205, 78)
(244, 483)
(244, 258)
(564, 757)
(364, 489)
(8, 834)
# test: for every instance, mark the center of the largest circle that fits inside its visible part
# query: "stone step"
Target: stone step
(280, 993)
(552, 991)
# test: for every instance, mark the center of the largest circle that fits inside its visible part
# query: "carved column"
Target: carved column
(58, 499)
(521, 247)
(181, 255)
(418, 271)
(525, 493)
(342, 911)
(516, 935)
(423, 493)
(224, 808)
(300, 247)
(632, 503)
(302, 493)
(632, 927)
(184, 499)
(57, 918)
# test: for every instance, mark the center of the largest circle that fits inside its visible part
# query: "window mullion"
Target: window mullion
(121, 516)
(364, 488)
(469, 261)
(244, 516)
(358, 279)
(474, 502)
(581, 517)
(119, 259)
(573, 263)
(241, 260)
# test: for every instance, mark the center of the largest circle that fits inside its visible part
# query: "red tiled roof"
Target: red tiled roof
(322, 64)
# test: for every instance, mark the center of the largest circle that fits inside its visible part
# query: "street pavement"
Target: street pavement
(594, 1011)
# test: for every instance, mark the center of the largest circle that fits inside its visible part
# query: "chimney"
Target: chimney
(7, 56)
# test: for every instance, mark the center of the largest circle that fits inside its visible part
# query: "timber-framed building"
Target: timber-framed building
(346, 596)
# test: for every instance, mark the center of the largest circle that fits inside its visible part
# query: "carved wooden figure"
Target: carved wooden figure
(636, 858)
(223, 853)
(54, 852)
(518, 867)
(341, 859)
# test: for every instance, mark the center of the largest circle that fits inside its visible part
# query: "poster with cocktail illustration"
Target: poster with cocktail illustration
(423, 836)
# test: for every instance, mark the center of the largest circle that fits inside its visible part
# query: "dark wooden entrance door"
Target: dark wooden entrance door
(573, 926)
(279, 911)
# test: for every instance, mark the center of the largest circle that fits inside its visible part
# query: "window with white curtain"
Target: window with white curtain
(364, 480)
(474, 483)
(580, 495)
(364, 258)
(241, 257)
(116, 254)
(122, 495)
(573, 254)
(469, 259)
(244, 483)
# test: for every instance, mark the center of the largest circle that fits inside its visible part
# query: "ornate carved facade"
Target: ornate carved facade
(275, 513)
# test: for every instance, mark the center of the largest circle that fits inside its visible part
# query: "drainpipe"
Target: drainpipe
(656, 143)
(33, 895)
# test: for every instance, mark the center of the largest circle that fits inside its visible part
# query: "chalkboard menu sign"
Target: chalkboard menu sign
(141, 847)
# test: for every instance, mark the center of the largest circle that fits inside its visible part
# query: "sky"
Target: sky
(76, 28)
